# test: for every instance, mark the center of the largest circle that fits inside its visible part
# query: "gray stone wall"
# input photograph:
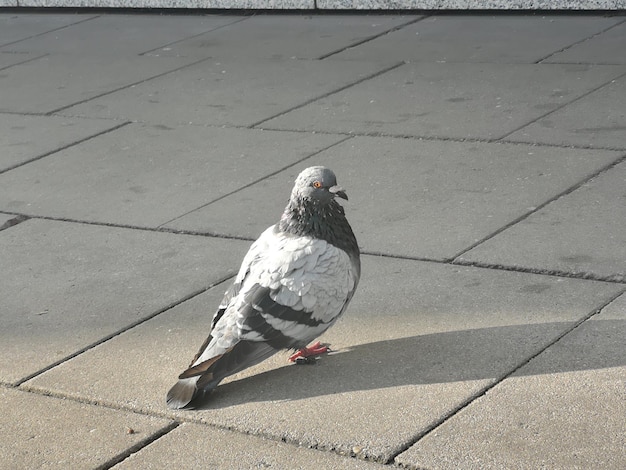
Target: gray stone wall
(334, 4)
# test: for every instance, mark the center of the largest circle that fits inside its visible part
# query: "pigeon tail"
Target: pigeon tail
(182, 393)
(198, 381)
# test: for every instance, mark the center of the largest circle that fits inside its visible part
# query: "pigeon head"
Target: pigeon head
(317, 184)
(313, 210)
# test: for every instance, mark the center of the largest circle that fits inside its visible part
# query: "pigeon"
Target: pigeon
(294, 283)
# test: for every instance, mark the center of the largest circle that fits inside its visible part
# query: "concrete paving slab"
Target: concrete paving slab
(413, 198)
(234, 92)
(596, 120)
(65, 286)
(604, 48)
(478, 101)
(571, 398)
(73, 79)
(19, 26)
(479, 38)
(197, 446)
(50, 433)
(143, 175)
(25, 138)
(583, 233)
(419, 340)
(121, 35)
(292, 36)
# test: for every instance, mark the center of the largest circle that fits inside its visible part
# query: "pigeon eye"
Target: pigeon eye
(317, 184)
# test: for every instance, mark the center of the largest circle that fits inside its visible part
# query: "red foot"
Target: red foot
(314, 350)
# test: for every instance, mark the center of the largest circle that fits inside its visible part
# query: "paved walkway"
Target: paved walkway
(485, 159)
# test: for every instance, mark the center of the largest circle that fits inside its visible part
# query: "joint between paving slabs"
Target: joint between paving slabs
(616, 279)
(613, 279)
(49, 30)
(174, 423)
(239, 20)
(30, 59)
(123, 330)
(558, 108)
(159, 229)
(139, 446)
(455, 259)
(371, 38)
(258, 180)
(482, 392)
(430, 138)
(65, 147)
(330, 93)
(540, 61)
(177, 420)
(129, 85)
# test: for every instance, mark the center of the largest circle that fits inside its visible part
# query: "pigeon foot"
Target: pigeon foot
(308, 354)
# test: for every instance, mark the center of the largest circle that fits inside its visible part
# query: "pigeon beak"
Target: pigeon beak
(338, 191)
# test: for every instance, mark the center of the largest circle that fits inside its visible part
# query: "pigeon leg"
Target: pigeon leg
(314, 350)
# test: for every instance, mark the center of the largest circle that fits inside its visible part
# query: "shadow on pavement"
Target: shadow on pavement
(487, 353)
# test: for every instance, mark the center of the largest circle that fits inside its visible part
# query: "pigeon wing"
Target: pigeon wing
(297, 289)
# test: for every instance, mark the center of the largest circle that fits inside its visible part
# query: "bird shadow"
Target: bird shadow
(456, 356)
